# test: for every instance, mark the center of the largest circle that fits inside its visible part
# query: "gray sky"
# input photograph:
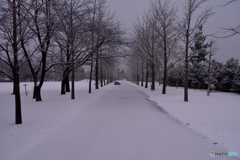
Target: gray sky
(129, 10)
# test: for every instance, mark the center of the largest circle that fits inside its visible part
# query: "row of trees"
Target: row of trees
(41, 36)
(162, 38)
(170, 46)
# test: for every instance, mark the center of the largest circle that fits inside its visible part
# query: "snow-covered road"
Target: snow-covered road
(122, 125)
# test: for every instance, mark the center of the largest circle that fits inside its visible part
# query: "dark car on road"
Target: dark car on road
(117, 83)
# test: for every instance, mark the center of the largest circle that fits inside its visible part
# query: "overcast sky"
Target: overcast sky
(129, 10)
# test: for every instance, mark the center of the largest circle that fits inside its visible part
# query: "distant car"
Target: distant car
(117, 83)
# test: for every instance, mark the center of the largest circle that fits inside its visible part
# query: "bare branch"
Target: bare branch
(227, 3)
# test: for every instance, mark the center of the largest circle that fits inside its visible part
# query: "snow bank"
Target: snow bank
(215, 117)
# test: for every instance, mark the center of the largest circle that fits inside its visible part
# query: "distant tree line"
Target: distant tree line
(224, 76)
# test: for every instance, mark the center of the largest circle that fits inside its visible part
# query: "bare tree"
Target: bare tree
(75, 24)
(42, 29)
(189, 23)
(18, 119)
(145, 44)
(6, 49)
(212, 50)
(12, 32)
(166, 26)
(71, 38)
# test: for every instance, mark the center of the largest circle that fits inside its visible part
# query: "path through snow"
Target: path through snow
(122, 125)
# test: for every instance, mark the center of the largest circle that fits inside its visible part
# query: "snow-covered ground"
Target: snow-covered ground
(39, 118)
(215, 117)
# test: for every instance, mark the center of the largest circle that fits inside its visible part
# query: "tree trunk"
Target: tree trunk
(165, 68)
(142, 74)
(153, 77)
(13, 84)
(108, 76)
(92, 36)
(111, 80)
(138, 79)
(96, 72)
(104, 81)
(90, 80)
(73, 78)
(101, 74)
(63, 91)
(209, 72)
(186, 70)
(164, 82)
(37, 88)
(111, 77)
(38, 93)
(67, 84)
(159, 78)
(146, 84)
(73, 85)
(72, 54)
(34, 90)
(18, 114)
(101, 82)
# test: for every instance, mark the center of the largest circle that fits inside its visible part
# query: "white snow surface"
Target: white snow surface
(102, 126)
(215, 117)
(39, 118)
